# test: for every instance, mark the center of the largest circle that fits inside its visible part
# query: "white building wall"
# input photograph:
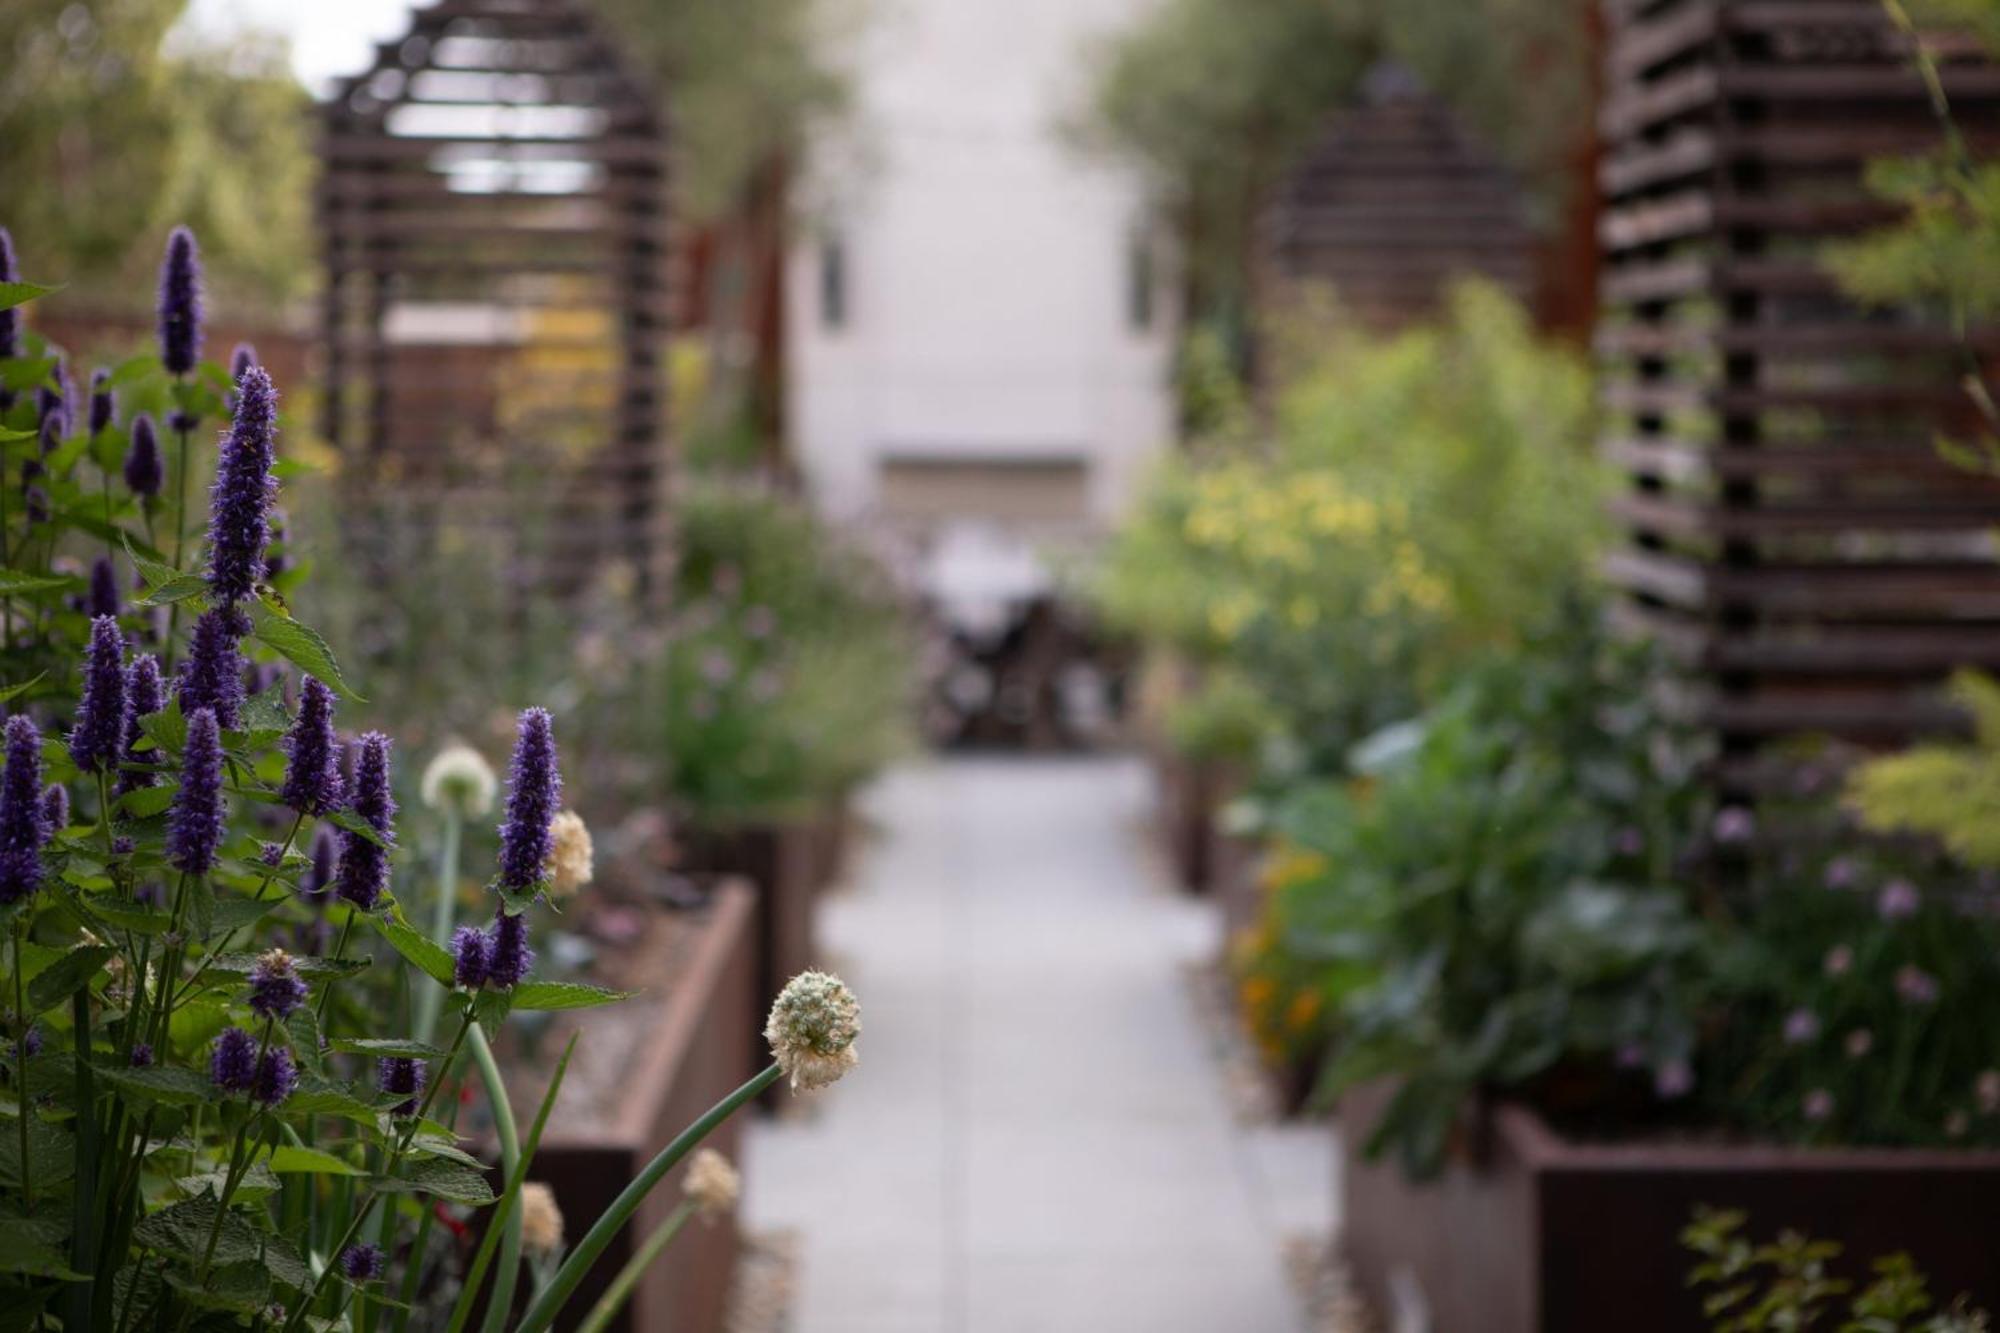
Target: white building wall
(987, 262)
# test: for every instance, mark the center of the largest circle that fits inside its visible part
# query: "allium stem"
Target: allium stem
(542, 1314)
(614, 1297)
(430, 1000)
(500, 1302)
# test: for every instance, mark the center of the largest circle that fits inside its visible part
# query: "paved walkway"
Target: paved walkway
(1036, 1140)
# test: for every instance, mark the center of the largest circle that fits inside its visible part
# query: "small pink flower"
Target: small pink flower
(1859, 1043)
(1916, 986)
(1898, 901)
(1631, 1056)
(1801, 1027)
(1628, 841)
(1841, 873)
(1818, 1105)
(1986, 1090)
(1839, 960)
(1674, 1079)
(1734, 824)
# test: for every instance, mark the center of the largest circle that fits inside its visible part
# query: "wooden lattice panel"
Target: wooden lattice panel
(1793, 530)
(495, 208)
(1393, 200)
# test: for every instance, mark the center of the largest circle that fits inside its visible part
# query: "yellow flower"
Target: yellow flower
(1303, 1009)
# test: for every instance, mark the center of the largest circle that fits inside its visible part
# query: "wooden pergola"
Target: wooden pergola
(1792, 529)
(496, 215)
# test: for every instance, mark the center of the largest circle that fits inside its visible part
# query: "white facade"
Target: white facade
(969, 344)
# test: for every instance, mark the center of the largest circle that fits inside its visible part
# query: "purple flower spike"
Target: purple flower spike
(317, 881)
(363, 873)
(143, 469)
(1734, 825)
(142, 1054)
(103, 587)
(241, 358)
(212, 676)
(55, 807)
(145, 694)
(361, 1263)
(180, 303)
(232, 1066)
(240, 502)
(313, 784)
(29, 1045)
(10, 318)
(23, 824)
(400, 1075)
(534, 792)
(508, 954)
(194, 823)
(277, 1077)
(276, 989)
(471, 957)
(103, 401)
(100, 718)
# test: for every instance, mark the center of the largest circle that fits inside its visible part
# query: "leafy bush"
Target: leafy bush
(1426, 499)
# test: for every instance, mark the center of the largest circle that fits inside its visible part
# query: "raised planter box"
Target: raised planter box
(698, 1048)
(1541, 1233)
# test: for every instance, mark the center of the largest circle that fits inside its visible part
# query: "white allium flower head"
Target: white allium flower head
(459, 778)
(541, 1219)
(812, 1030)
(712, 1183)
(570, 863)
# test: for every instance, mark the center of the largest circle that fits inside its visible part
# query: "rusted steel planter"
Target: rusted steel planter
(1191, 795)
(1536, 1233)
(700, 1048)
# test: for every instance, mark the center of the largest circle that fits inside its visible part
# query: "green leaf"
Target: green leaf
(133, 368)
(283, 1262)
(379, 1046)
(138, 920)
(241, 1287)
(21, 375)
(323, 1098)
(181, 1230)
(30, 1248)
(145, 802)
(449, 1180)
(176, 589)
(308, 966)
(13, 692)
(303, 1027)
(163, 1085)
(51, 1152)
(301, 645)
(20, 293)
(236, 913)
(157, 573)
(355, 824)
(15, 583)
(565, 995)
(293, 1161)
(66, 977)
(417, 948)
(167, 729)
(491, 1007)
(438, 1146)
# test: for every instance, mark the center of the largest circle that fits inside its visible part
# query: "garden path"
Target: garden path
(1037, 1138)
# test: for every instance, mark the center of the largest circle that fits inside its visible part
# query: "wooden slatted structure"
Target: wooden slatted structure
(1392, 200)
(1793, 531)
(499, 293)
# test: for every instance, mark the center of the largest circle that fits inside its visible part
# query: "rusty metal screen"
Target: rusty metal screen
(1391, 201)
(495, 213)
(1793, 530)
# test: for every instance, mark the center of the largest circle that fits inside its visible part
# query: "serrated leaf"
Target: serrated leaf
(15, 583)
(29, 1248)
(20, 293)
(13, 692)
(182, 1230)
(355, 824)
(138, 920)
(241, 1287)
(164, 1085)
(290, 1161)
(176, 589)
(23, 373)
(236, 913)
(51, 1153)
(303, 1028)
(491, 1007)
(444, 1178)
(313, 968)
(565, 995)
(156, 573)
(302, 646)
(257, 1183)
(145, 802)
(418, 949)
(167, 729)
(438, 1146)
(322, 1098)
(66, 976)
(282, 1261)
(383, 1046)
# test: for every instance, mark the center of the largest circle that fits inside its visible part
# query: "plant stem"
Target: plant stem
(501, 1302)
(83, 1201)
(541, 1315)
(614, 1297)
(431, 999)
(182, 468)
(339, 952)
(230, 938)
(21, 1054)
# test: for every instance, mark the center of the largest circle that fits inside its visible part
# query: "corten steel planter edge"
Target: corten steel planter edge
(1536, 1231)
(699, 1051)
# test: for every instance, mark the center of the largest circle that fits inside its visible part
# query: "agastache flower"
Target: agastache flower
(232, 1066)
(277, 1077)
(317, 881)
(145, 694)
(361, 1263)
(1734, 825)
(100, 719)
(10, 318)
(241, 358)
(471, 957)
(508, 956)
(276, 989)
(401, 1076)
(55, 807)
(534, 787)
(103, 587)
(1818, 1105)
(212, 676)
(812, 1030)
(195, 821)
(103, 401)
(180, 303)
(240, 502)
(142, 1054)
(23, 824)
(313, 783)
(363, 873)
(143, 469)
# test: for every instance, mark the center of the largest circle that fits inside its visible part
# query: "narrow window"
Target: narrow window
(832, 282)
